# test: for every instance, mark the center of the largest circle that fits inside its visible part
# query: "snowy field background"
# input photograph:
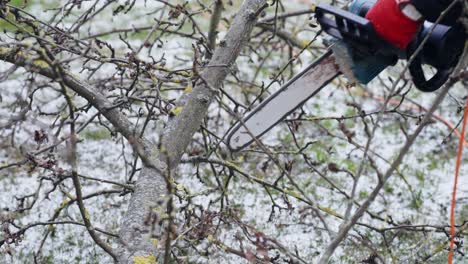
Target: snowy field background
(419, 194)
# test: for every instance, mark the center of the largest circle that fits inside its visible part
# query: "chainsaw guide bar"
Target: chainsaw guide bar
(284, 101)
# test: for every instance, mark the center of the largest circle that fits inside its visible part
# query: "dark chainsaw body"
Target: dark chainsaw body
(371, 54)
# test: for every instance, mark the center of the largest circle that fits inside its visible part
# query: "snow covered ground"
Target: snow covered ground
(419, 193)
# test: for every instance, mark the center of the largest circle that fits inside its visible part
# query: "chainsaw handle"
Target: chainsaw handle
(442, 51)
(419, 80)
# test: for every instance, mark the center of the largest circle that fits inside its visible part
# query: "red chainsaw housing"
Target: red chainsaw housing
(391, 24)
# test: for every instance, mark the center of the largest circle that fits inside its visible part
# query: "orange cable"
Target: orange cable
(454, 193)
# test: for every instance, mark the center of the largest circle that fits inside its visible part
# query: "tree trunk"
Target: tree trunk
(150, 196)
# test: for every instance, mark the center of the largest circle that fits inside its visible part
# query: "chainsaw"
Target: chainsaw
(360, 55)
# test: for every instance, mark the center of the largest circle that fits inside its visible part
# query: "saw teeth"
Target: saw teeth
(344, 60)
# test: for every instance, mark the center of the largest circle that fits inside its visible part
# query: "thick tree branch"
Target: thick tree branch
(95, 98)
(194, 106)
(215, 18)
(150, 193)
